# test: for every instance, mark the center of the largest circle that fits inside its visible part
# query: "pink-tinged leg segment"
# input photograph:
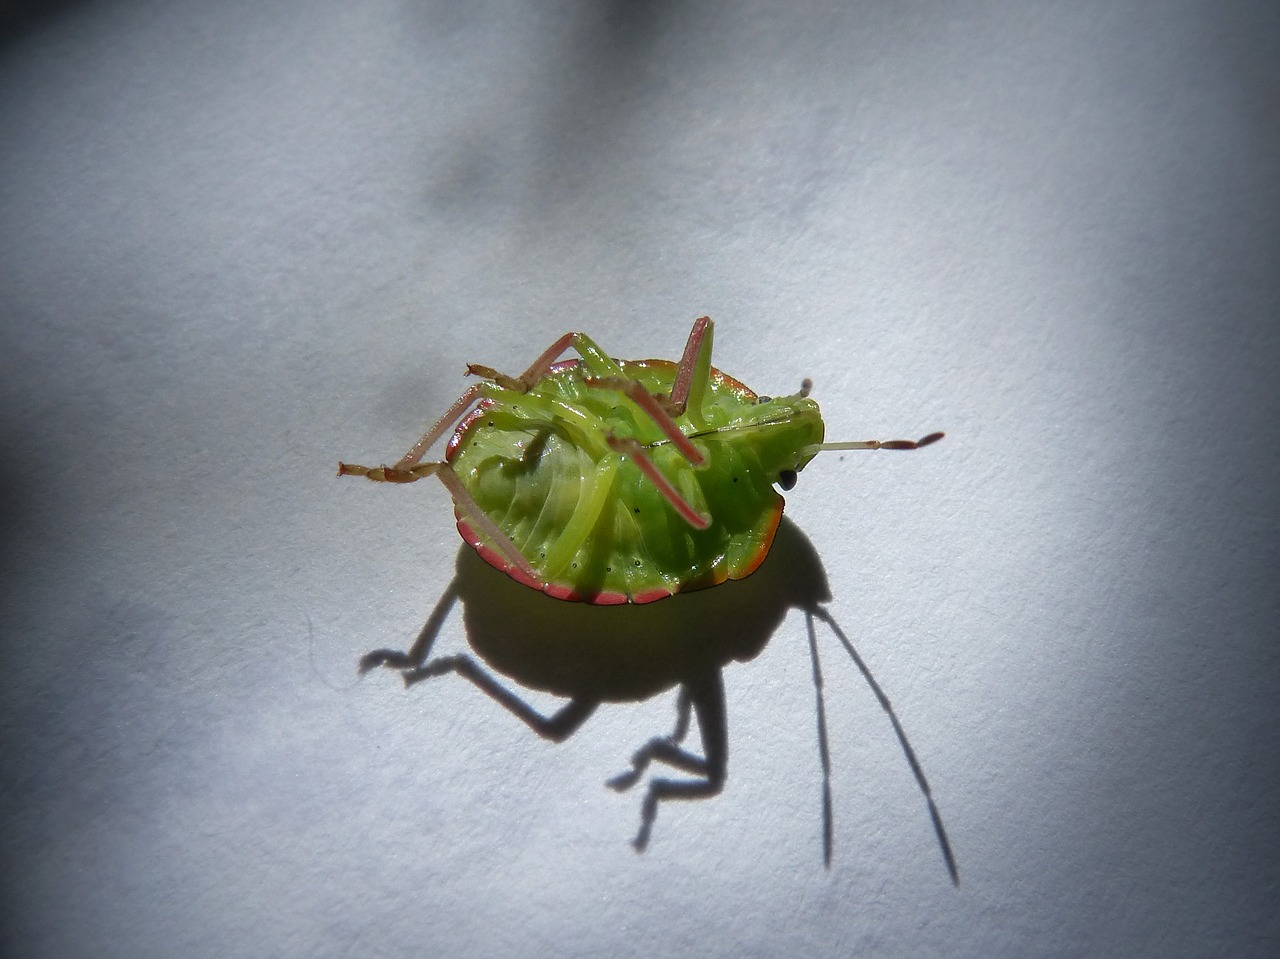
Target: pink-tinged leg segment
(635, 452)
(451, 416)
(638, 394)
(543, 362)
(466, 505)
(521, 384)
(684, 374)
(475, 515)
(592, 356)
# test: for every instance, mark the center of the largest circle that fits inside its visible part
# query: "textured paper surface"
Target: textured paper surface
(241, 241)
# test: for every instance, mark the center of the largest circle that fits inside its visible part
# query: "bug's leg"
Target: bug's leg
(557, 727)
(694, 372)
(635, 452)
(597, 362)
(638, 394)
(595, 492)
(711, 767)
(469, 508)
(442, 426)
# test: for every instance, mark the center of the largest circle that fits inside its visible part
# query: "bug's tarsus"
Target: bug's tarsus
(506, 382)
(384, 473)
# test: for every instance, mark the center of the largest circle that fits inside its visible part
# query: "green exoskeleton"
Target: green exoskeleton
(613, 481)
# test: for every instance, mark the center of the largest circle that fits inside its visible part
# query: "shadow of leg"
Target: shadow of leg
(705, 693)
(421, 648)
(663, 789)
(660, 747)
(557, 727)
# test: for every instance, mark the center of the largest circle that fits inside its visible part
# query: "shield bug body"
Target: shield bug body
(614, 481)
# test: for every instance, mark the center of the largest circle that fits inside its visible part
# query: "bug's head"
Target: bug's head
(790, 431)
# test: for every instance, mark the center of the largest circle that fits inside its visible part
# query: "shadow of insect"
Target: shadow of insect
(615, 654)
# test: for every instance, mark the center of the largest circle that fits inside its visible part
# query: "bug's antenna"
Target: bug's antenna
(880, 444)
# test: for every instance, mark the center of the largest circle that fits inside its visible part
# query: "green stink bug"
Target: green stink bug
(613, 481)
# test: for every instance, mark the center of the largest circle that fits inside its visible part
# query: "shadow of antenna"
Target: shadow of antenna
(939, 829)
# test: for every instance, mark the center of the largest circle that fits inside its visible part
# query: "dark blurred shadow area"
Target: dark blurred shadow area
(607, 75)
(20, 17)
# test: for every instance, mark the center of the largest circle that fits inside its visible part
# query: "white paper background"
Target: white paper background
(239, 241)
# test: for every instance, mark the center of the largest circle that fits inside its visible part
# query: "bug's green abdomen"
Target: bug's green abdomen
(583, 514)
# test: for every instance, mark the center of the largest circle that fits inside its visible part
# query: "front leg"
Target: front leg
(595, 360)
(466, 505)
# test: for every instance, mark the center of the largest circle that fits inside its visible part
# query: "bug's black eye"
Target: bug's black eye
(787, 479)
